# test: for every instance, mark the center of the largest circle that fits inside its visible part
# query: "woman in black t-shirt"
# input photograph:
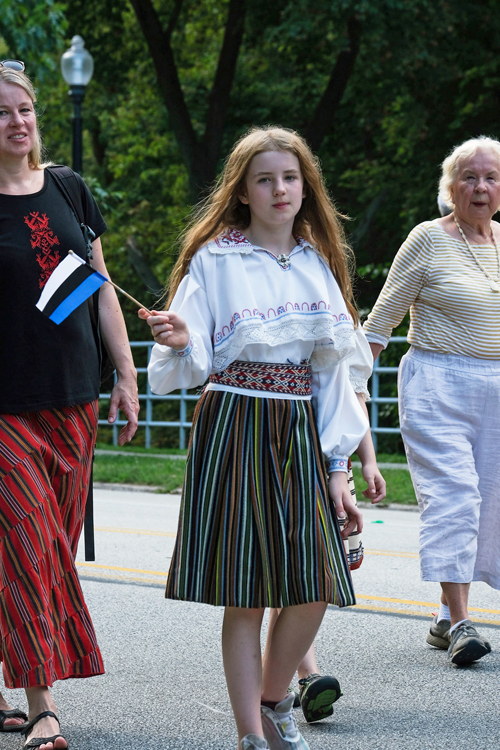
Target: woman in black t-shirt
(49, 383)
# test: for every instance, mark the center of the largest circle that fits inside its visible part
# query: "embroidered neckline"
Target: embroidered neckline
(232, 240)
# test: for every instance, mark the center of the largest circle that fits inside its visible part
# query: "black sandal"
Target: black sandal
(37, 741)
(14, 713)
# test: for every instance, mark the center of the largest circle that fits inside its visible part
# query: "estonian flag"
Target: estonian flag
(70, 284)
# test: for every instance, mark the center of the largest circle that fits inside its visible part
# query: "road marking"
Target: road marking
(414, 555)
(421, 604)
(409, 613)
(410, 602)
(365, 607)
(210, 708)
(123, 570)
(88, 575)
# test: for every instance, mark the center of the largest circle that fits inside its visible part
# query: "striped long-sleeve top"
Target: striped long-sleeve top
(453, 309)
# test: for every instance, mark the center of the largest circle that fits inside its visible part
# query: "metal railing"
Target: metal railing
(376, 399)
(183, 397)
(149, 397)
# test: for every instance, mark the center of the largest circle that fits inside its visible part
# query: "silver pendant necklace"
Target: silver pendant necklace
(494, 280)
(282, 260)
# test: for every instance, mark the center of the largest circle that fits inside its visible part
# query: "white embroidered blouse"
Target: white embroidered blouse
(240, 304)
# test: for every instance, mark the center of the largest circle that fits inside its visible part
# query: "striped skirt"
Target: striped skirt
(46, 633)
(257, 527)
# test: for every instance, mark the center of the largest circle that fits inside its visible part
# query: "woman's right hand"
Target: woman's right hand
(167, 328)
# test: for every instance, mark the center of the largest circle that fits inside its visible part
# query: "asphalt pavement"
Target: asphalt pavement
(164, 688)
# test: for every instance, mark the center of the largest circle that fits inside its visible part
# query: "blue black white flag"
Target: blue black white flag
(70, 284)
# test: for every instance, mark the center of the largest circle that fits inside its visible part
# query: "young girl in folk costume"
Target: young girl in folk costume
(261, 305)
(317, 692)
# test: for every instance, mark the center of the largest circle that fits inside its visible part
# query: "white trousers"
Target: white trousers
(449, 409)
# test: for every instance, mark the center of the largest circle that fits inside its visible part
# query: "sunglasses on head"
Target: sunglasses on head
(13, 64)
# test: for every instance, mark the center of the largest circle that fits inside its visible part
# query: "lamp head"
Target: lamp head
(77, 64)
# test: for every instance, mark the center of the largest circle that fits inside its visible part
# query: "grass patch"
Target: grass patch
(128, 448)
(169, 475)
(160, 472)
(399, 485)
(390, 458)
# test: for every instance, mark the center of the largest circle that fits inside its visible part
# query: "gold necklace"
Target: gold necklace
(494, 280)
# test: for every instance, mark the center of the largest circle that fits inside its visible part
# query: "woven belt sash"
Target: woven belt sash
(261, 376)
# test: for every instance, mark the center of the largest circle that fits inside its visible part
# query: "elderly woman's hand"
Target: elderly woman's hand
(124, 396)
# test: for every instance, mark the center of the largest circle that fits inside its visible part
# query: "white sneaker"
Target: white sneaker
(280, 728)
(253, 742)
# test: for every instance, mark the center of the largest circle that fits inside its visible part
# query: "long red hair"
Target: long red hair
(318, 221)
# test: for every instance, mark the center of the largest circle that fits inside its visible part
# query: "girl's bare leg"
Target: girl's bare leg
(243, 666)
(308, 665)
(290, 640)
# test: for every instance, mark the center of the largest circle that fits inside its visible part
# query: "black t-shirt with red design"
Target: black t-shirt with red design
(43, 365)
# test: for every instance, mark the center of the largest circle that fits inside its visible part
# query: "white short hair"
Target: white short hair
(451, 165)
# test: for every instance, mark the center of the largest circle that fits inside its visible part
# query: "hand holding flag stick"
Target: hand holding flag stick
(71, 283)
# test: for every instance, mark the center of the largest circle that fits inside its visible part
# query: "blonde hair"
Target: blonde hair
(451, 165)
(18, 78)
(317, 221)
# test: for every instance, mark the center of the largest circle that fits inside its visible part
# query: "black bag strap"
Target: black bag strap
(67, 182)
(89, 519)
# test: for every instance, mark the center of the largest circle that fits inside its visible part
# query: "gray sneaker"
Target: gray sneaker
(296, 700)
(466, 645)
(439, 634)
(280, 728)
(253, 742)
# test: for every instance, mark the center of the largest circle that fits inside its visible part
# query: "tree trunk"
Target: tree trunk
(200, 158)
(329, 103)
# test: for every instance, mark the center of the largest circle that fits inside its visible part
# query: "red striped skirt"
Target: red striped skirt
(46, 633)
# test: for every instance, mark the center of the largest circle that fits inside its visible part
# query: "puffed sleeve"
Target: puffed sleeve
(341, 421)
(361, 364)
(169, 369)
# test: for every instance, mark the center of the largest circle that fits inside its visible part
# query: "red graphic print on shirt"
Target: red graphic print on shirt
(44, 239)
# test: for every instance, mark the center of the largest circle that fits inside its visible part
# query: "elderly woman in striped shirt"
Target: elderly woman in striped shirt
(448, 274)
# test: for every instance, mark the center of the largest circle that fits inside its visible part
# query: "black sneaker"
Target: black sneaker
(318, 693)
(466, 645)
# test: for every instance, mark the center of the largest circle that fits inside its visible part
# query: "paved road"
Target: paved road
(164, 688)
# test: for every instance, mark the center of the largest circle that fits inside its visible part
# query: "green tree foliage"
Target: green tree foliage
(32, 30)
(381, 90)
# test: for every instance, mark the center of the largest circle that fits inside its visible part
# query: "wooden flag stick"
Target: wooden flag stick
(70, 252)
(129, 296)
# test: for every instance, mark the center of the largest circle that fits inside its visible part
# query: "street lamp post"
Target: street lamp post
(77, 67)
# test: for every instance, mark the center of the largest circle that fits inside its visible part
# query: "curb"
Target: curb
(134, 488)
(178, 491)
(388, 506)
